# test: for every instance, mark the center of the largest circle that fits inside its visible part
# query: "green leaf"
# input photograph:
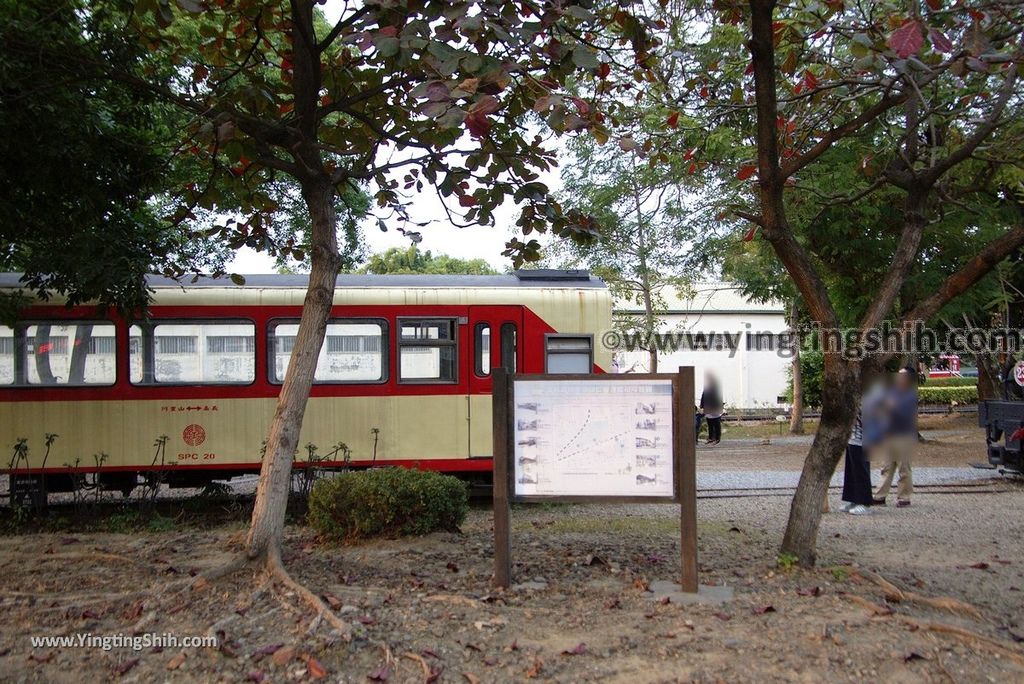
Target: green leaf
(237, 279)
(585, 58)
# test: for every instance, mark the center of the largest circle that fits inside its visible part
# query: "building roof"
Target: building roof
(706, 298)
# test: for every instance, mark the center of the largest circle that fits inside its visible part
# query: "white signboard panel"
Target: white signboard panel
(593, 438)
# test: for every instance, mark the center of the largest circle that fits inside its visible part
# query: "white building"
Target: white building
(745, 344)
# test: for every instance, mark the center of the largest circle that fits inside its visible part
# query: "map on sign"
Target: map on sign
(593, 438)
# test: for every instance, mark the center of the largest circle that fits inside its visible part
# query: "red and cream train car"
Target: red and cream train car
(403, 377)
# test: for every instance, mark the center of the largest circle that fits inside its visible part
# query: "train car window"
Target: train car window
(56, 353)
(508, 347)
(353, 351)
(482, 349)
(6, 355)
(569, 354)
(193, 352)
(427, 350)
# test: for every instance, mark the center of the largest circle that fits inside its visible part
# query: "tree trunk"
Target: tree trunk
(41, 350)
(796, 419)
(80, 354)
(838, 410)
(989, 385)
(268, 515)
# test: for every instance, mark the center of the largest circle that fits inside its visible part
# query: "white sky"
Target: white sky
(439, 237)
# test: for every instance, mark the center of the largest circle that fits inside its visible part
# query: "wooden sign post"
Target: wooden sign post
(594, 438)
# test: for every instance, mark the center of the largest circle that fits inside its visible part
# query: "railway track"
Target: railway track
(976, 487)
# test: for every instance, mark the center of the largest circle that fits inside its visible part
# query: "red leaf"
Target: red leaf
(907, 39)
(604, 69)
(477, 124)
(578, 649)
(764, 609)
(390, 31)
(810, 80)
(381, 674)
(935, 5)
(692, 169)
(939, 41)
(488, 104)
(980, 566)
(581, 106)
(749, 235)
(315, 669)
(124, 667)
(673, 120)
(746, 171)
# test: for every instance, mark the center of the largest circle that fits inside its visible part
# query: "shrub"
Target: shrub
(951, 381)
(386, 502)
(948, 395)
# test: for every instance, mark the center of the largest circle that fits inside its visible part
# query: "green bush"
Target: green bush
(386, 502)
(951, 382)
(948, 395)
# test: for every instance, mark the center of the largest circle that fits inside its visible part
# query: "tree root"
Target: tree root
(277, 570)
(897, 595)
(423, 664)
(967, 636)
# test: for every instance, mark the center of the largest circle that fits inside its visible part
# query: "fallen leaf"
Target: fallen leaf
(665, 600)
(724, 617)
(315, 669)
(578, 649)
(514, 646)
(913, 655)
(333, 601)
(176, 662)
(125, 667)
(761, 610)
(44, 658)
(256, 676)
(612, 604)
(200, 584)
(641, 584)
(263, 652)
(591, 559)
(430, 653)
(471, 678)
(381, 674)
(535, 668)
(811, 591)
(283, 655)
(982, 565)
(134, 612)
(491, 660)
(452, 566)
(367, 620)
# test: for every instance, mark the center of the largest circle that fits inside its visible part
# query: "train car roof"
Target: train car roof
(542, 278)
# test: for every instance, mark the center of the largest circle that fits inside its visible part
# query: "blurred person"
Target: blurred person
(867, 431)
(897, 448)
(712, 406)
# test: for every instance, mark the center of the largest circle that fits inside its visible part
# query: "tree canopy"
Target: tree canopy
(398, 260)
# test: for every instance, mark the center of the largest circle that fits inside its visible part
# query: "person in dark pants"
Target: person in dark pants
(712, 406)
(856, 473)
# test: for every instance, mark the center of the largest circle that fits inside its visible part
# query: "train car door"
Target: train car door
(495, 333)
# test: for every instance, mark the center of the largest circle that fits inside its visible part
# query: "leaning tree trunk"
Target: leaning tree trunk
(268, 515)
(796, 419)
(840, 388)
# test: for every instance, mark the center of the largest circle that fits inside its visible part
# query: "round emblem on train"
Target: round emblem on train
(1018, 373)
(194, 435)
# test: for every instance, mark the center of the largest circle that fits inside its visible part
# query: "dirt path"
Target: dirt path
(424, 605)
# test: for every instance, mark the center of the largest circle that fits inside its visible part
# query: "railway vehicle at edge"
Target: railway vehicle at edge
(404, 376)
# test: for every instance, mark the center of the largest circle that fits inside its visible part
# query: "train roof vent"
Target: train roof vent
(553, 274)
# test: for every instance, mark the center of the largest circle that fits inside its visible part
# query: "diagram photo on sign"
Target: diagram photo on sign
(593, 438)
